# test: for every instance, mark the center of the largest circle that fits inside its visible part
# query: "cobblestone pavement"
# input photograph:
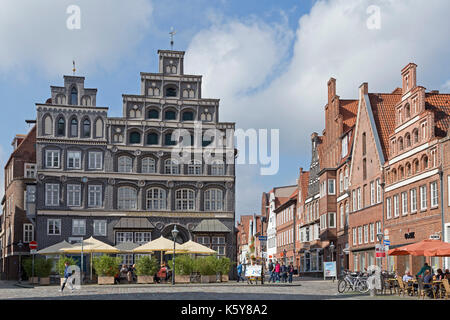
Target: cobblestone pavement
(299, 290)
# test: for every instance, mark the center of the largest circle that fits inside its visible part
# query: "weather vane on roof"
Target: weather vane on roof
(73, 69)
(172, 33)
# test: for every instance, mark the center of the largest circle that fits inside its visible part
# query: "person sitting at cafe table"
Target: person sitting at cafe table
(439, 275)
(407, 276)
(422, 271)
(447, 274)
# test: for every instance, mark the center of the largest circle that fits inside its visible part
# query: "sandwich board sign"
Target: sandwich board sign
(253, 271)
(329, 269)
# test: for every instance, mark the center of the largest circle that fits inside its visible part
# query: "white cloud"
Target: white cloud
(237, 59)
(34, 34)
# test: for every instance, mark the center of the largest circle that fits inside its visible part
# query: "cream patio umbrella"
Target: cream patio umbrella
(91, 246)
(55, 249)
(194, 248)
(161, 244)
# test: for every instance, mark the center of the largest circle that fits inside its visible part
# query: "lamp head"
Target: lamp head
(175, 232)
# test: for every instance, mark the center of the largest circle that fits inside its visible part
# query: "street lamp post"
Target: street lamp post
(332, 251)
(20, 245)
(174, 235)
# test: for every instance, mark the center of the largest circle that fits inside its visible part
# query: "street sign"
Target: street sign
(387, 242)
(262, 238)
(379, 251)
(33, 245)
(33, 251)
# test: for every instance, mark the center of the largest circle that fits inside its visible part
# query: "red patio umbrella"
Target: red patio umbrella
(427, 248)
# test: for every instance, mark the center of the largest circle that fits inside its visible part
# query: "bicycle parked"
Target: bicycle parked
(355, 281)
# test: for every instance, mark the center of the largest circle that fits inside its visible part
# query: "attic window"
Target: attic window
(74, 96)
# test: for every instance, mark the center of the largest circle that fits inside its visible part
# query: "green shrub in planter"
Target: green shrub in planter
(42, 267)
(61, 264)
(206, 266)
(184, 265)
(147, 266)
(224, 266)
(106, 266)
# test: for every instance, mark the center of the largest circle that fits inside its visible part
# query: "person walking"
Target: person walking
(422, 271)
(283, 273)
(239, 272)
(271, 271)
(291, 272)
(277, 271)
(67, 277)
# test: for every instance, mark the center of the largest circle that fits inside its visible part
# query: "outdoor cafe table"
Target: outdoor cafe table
(439, 285)
(393, 283)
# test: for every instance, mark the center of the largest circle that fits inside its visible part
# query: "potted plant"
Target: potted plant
(224, 269)
(61, 265)
(146, 267)
(184, 268)
(27, 265)
(207, 268)
(43, 268)
(106, 267)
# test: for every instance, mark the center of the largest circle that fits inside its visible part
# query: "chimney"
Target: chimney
(331, 89)
(363, 90)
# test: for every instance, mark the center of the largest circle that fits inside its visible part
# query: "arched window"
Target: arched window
(61, 129)
(48, 125)
(125, 164)
(424, 162)
(416, 136)
(170, 115)
(401, 173)
(74, 96)
(153, 114)
(171, 167)
(346, 178)
(416, 166)
(214, 200)
(400, 144)
(148, 165)
(394, 175)
(74, 127)
(168, 140)
(86, 128)
(127, 198)
(185, 199)
(407, 111)
(171, 92)
(152, 139)
(135, 138)
(99, 128)
(156, 199)
(187, 116)
(195, 167)
(217, 168)
(408, 169)
(86, 101)
(408, 140)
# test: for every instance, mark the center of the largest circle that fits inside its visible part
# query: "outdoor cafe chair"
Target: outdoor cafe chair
(424, 291)
(402, 286)
(446, 284)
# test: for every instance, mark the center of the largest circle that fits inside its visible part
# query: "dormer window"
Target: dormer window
(74, 96)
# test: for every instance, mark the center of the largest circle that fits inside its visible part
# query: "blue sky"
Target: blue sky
(268, 61)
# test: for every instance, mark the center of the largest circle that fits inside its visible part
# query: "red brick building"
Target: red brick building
(16, 228)
(285, 226)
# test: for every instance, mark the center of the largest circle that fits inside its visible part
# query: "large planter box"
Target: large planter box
(144, 279)
(208, 279)
(34, 280)
(225, 278)
(44, 281)
(182, 278)
(105, 280)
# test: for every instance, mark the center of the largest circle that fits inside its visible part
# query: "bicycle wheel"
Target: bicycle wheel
(362, 286)
(342, 285)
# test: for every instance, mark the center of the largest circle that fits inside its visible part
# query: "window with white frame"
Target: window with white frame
(347, 213)
(30, 170)
(388, 208)
(423, 197)
(52, 158)
(424, 130)
(344, 145)
(366, 233)
(73, 195)
(95, 196)
(396, 206)
(122, 237)
(378, 225)
(359, 199)
(332, 219)
(372, 193)
(125, 164)
(434, 194)
(354, 236)
(95, 160)
(331, 186)
(346, 179)
(185, 199)
(126, 259)
(74, 160)
(360, 236)
(341, 182)
(323, 222)
(413, 195)
(195, 167)
(372, 232)
(51, 194)
(28, 232)
(203, 240)
(54, 227)
(354, 205)
(214, 200)
(127, 198)
(341, 211)
(100, 228)
(171, 166)
(217, 168)
(142, 237)
(156, 199)
(404, 203)
(378, 191)
(78, 227)
(148, 165)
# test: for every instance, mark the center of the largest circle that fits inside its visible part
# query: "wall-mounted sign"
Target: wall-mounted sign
(411, 235)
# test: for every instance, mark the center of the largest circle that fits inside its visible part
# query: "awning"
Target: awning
(55, 249)
(134, 223)
(211, 225)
